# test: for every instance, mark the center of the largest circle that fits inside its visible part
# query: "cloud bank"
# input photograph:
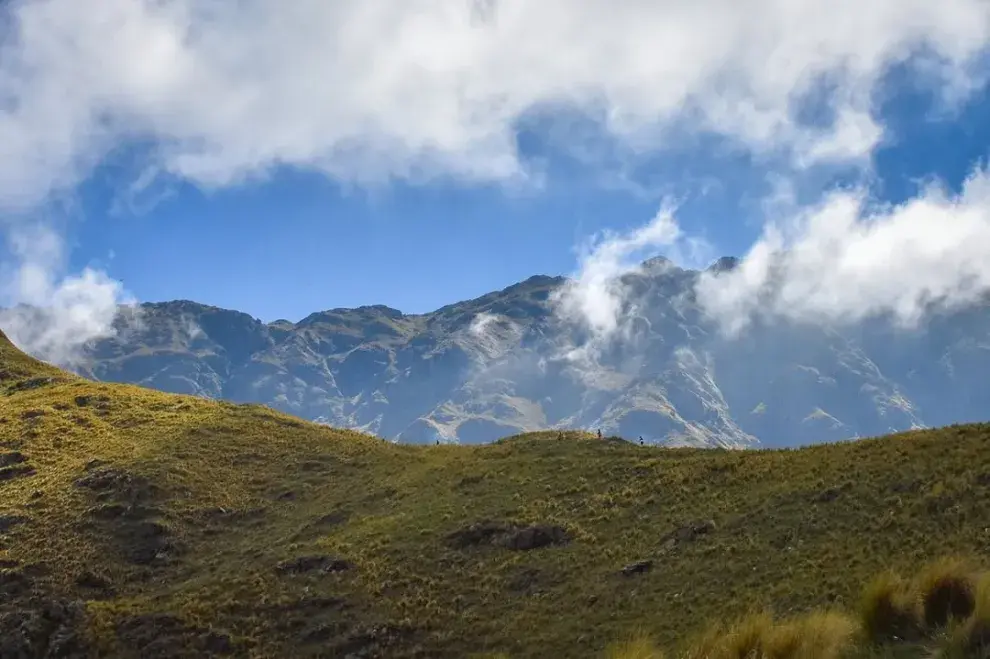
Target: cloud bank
(364, 90)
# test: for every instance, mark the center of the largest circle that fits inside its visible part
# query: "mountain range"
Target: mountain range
(509, 362)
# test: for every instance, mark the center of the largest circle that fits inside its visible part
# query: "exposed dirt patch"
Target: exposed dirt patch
(16, 471)
(537, 536)
(95, 586)
(528, 581)
(13, 582)
(476, 535)
(830, 494)
(117, 484)
(100, 404)
(310, 620)
(687, 533)
(468, 481)
(321, 525)
(29, 384)
(216, 520)
(162, 636)
(322, 563)
(374, 641)
(44, 628)
(12, 458)
(639, 567)
(125, 516)
(509, 536)
(8, 522)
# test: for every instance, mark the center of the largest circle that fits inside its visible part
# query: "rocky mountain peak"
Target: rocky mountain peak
(655, 263)
(481, 369)
(724, 264)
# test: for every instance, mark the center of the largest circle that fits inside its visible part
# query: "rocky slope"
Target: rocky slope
(507, 362)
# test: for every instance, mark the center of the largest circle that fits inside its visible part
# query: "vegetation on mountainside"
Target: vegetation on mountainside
(139, 523)
(943, 612)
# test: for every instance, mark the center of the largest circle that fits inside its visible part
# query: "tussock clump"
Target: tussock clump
(823, 635)
(888, 610)
(971, 638)
(943, 612)
(947, 591)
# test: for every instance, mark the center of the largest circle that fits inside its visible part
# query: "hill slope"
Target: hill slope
(136, 523)
(482, 369)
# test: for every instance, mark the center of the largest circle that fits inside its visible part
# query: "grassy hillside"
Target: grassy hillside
(135, 523)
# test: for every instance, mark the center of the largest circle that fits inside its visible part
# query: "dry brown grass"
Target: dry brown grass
(818, 635)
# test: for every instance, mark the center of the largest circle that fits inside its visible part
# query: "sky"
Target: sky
(281, 158)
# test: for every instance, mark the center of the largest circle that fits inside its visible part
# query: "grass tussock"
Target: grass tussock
(946, 592)
(823, 635)
(971, 637)
(943, 611)
(888, 609)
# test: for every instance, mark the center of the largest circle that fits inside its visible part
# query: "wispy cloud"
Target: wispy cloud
(47, 312)
(596, 293)
(598, 307)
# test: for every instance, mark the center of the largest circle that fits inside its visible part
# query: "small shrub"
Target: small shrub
(972, 637)
(947, 591)
(888, 610)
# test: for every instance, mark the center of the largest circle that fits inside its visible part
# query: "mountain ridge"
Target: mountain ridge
(508, 362)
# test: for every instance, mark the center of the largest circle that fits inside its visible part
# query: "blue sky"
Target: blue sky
(298, 242)
(283, 158)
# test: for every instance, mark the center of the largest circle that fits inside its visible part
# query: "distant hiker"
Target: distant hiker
(599, 433)
(438, 442)
(640, 440)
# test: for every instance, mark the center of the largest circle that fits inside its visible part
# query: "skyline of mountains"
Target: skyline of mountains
(509, 361)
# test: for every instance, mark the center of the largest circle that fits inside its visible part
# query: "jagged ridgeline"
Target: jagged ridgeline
(136, 523)
(486, 368)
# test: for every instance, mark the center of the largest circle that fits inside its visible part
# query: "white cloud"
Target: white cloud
(841, 261)
(480, 323)
(595, 294)
(597, 299)
(367, 89)
(49, 315)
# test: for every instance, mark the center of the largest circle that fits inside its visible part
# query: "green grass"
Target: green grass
(223, 493)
